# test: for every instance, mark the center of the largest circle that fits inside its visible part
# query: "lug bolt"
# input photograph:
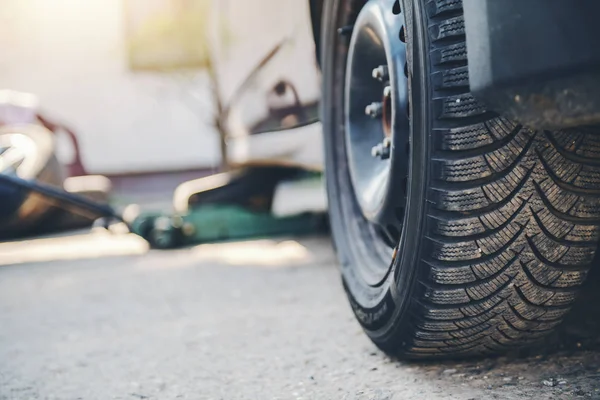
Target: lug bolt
(377, 150)
(387, 92)
(382, 150)
(381, 72)
(374, 109)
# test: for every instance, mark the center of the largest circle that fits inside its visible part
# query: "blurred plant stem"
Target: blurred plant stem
(184, 36)
(219, 113)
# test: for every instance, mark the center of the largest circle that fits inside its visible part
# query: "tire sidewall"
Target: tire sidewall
(379, 309)
(365, 300)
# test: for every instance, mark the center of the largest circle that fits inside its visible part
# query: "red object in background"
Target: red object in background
(22, 108)
(75, 167)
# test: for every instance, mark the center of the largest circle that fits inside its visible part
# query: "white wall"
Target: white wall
(71, 53)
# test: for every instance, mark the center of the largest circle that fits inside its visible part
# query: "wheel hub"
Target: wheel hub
(376, 117)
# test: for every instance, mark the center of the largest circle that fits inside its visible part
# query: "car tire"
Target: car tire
(500, 223)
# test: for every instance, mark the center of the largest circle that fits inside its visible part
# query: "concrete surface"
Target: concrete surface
(257, 320)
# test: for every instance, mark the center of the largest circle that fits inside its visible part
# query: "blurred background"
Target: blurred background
(79, 58)
(146, 95)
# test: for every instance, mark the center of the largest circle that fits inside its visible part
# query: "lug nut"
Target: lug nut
(374, 110)
(376, 150)
(382, 150)
(387, 92)
(381, 72)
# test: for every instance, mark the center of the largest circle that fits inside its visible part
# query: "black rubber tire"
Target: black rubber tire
(502, 222)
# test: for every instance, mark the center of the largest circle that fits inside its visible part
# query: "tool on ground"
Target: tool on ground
(198, 220)
(240, 204)
(70, 201)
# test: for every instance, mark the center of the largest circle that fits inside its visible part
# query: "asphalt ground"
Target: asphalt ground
(94, 316)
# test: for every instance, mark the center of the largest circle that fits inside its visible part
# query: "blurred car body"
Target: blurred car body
(28, 151)
(270, 77)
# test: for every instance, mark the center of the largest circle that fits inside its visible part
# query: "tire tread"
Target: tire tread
(513, 216)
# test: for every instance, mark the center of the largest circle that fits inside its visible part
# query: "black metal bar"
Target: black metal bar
(70, 199)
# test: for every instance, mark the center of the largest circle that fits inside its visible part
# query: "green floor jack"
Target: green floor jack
(244, 204)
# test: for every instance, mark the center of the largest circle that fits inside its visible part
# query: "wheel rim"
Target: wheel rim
(377, 138)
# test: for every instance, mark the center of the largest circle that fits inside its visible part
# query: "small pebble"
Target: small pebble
(507, 379)
(549, 382)
(449, 371)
